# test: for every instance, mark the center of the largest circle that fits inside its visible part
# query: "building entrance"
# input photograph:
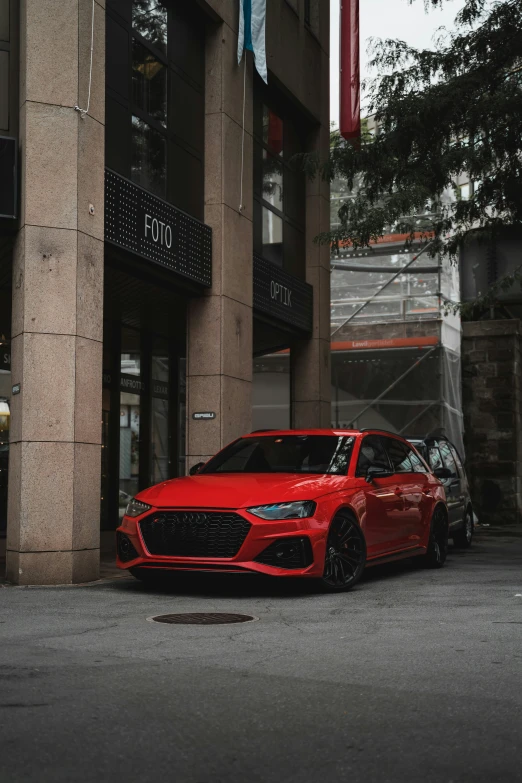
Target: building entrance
(5, 379)
(143, 418)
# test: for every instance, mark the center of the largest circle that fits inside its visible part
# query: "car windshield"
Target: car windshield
(319, 454)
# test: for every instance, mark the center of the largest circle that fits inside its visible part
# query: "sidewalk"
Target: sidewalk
(513, 531)
(109, 571)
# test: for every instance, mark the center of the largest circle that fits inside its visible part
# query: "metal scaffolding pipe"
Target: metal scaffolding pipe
(395, 276)
(395, 382)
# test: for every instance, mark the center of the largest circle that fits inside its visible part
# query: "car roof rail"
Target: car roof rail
(268, 430)
(386, 432)
(430, 436)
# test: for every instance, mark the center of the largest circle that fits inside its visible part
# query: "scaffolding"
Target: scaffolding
(395, 352)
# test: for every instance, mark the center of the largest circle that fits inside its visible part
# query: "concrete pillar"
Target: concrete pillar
(492, 407)
(54, 469)
(310, 359)
(219, 351)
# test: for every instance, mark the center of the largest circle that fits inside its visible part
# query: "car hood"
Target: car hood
(239, 490)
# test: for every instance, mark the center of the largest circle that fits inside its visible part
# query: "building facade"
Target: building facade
(161, 244)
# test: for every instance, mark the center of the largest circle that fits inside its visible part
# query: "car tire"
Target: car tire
(437, 550)
(463, 537)
(345, 556)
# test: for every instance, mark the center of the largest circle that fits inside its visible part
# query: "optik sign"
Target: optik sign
(281, 293)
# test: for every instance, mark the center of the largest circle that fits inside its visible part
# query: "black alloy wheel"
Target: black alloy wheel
(463, 537)
(345, 556)
(437, 551)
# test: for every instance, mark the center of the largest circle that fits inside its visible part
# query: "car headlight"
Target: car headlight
(298, 510)
(135, 508)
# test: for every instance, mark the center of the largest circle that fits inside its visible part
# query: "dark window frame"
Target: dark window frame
(178, 150)
(146, 337)
(292, 130)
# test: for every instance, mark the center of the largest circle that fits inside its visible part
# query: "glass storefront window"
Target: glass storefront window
(160, 421)
(130, 352)
(149, 83)
(272, 237)
(105, 471)
(149, 19)
(143, 413)
(271, 392)
(129, 448)
(130, 364)
(160, 360)
(5, 418)
(273, 180)
(182, 414)
(149, 157)
(160, 441)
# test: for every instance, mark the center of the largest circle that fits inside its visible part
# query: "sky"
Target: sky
(387, 19)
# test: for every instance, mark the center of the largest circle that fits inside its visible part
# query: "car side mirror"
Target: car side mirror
(374, 471)
(442, 473)
(196, 468)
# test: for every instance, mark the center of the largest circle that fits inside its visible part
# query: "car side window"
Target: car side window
(435, 460)
(372, 453)
(417, 464)
(399, 455)
(447, 458)
(456, 457)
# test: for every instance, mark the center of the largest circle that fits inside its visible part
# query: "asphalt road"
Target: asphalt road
(413, 676)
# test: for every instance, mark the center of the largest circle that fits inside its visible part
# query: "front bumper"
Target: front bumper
(293, 548)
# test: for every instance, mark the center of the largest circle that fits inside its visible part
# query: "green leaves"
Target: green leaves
(444, 117)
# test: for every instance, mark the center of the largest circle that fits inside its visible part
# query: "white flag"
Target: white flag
(252, 18)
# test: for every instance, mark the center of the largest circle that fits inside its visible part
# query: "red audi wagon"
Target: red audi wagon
(320, 504)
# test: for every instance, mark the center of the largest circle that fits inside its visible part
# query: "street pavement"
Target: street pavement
(413, 676)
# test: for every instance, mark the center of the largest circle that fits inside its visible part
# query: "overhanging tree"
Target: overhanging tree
(441, 113)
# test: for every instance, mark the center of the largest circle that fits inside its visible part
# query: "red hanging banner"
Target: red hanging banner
(350, 77)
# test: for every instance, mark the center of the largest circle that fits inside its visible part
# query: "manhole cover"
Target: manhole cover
(202, 618)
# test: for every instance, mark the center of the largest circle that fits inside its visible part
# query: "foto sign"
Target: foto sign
(204, 415)
(153, 229)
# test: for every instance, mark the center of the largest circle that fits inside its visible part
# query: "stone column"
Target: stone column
(310, 359)
(54, 469)
(491, 366)
(219, 366)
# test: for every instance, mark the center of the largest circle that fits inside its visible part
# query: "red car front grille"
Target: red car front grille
(194, 533)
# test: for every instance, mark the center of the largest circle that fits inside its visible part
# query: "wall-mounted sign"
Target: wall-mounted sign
(130, 383)
(134, 385)
(5, 358)
(281, 296)
(204, 415)
(152, 228)
(160, 389)
(16, 388)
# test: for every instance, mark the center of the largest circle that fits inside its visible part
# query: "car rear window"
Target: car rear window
(317, 454)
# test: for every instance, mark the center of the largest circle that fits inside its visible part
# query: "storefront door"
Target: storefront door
(5, 396)
(144, 386)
